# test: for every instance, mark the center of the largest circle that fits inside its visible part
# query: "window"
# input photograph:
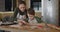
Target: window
(36, 5)
(10, 5)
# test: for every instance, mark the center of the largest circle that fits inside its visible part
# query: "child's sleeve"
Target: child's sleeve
(39, 20)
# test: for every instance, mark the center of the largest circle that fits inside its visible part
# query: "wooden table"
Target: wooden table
(17, 28)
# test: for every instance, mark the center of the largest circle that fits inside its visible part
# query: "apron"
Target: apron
(20, 16)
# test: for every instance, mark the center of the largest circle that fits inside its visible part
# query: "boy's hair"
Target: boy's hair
(31, 11)
(21, 2)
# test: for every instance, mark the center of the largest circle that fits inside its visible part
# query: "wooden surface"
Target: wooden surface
(17, 28)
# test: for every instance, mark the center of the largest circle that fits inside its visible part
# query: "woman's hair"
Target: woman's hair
(31, 11)
(21, 2)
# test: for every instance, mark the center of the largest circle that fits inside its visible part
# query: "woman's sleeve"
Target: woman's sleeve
(15, 14)
(26, 20)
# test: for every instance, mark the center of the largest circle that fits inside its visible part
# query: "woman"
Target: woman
(20, 12)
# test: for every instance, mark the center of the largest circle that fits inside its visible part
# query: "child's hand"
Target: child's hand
(20, 24)
(23, 22)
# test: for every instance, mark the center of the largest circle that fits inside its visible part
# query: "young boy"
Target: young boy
(32, 19)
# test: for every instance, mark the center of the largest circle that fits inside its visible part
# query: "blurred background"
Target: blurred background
(48, 10)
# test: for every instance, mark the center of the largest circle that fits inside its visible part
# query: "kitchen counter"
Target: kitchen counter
(17, 28)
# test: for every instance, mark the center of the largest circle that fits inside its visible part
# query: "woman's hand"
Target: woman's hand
(22, 22)
(24, 16)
